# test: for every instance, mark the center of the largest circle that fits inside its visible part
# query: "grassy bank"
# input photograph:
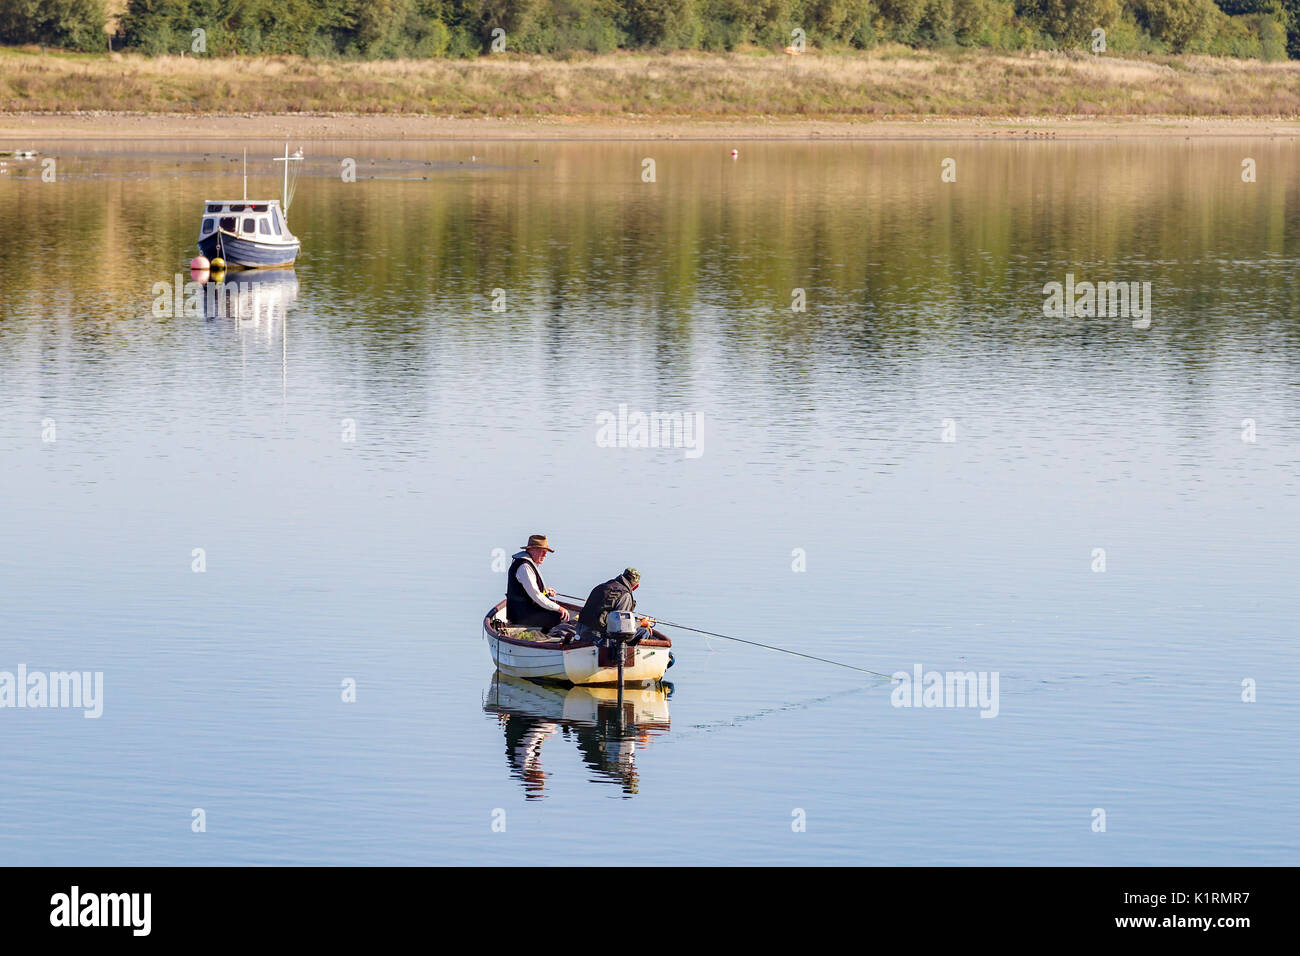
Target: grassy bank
(886, 82)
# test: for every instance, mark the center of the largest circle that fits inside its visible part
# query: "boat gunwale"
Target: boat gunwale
(273, 241)
(659, 640)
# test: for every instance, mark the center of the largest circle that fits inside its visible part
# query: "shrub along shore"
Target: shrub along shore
(888, 82)
(391, 29)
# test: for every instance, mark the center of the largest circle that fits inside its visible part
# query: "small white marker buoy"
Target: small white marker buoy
(735, 154)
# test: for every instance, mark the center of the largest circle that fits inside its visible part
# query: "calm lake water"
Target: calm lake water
(919, 469)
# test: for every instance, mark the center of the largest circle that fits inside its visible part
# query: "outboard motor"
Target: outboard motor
(620, 625)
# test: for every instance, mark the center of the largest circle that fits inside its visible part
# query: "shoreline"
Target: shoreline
(18, 129)
(889, 92)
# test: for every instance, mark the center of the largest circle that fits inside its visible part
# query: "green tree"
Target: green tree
(1071, 22)
(982, 22)
(846, 21)
(1182, 24)
(670, 23)
(70, 24)
(1284, 13)
(422, 28)
(900, 18)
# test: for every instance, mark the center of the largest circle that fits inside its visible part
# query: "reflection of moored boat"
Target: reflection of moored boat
(575, 662)
(251, 233)
(607, 736)
(261, 296)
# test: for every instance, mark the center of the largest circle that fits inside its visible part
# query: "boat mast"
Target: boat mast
(245, 174)
(284, 192)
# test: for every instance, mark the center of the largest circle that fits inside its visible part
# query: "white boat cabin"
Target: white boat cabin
(247, 219)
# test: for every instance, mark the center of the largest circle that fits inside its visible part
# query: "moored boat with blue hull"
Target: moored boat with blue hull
(250, 233)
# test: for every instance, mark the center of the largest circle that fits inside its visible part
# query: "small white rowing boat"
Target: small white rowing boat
(574, 662)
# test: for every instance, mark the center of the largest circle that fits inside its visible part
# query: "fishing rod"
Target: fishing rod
(741, 640)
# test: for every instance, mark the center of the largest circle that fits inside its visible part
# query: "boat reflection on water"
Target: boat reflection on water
(260, 296)
(607, 738)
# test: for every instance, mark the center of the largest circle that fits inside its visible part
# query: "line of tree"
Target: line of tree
(382, 29)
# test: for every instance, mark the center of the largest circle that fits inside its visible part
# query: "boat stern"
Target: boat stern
(644, 663)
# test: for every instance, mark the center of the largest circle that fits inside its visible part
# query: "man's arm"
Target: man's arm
(525, 577)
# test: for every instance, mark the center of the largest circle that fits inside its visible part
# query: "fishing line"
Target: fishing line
(741, 640)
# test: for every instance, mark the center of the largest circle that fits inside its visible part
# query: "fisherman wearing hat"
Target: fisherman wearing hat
(613, 595)
(528, 599)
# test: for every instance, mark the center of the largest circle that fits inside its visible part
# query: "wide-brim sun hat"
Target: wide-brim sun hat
(538, 541)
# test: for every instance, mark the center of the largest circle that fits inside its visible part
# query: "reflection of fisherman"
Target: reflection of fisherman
(524, 738)
(528, 599)
(613, 595)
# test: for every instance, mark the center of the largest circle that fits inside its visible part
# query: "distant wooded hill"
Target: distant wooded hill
(391, 29)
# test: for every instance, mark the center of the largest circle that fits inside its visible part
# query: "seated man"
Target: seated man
(613, 595)
(528, 600)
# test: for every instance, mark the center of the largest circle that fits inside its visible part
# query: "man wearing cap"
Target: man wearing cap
(614, 595)
(528, 600)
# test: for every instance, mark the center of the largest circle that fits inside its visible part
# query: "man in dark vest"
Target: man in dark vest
(615, 595)
(528, 599)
